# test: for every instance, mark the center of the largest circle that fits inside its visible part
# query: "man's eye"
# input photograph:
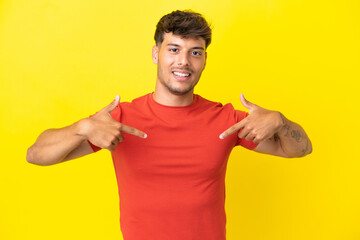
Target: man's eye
(173, 50)
(196, 53)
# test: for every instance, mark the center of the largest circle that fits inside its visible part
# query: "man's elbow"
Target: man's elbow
(308, 150)
(30, 155)
(33, 157)
(305, 151)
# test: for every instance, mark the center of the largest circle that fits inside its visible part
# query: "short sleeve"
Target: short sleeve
(240, 115)
(95, 148)
(115, 114)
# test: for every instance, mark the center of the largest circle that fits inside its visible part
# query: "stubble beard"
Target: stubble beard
(177, 91)
(173, 89)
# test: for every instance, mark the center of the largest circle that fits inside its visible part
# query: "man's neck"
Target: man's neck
(169, 99)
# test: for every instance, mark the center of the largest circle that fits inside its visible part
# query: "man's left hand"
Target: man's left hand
(259, 125)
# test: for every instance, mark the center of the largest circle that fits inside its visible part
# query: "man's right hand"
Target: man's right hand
(103, 131)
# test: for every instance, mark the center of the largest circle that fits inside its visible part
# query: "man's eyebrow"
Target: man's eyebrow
(173, 44)
(177, 45)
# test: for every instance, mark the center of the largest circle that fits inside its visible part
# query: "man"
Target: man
(170, 148)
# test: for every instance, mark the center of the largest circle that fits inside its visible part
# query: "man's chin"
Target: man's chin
(179, 89)
(179, 92)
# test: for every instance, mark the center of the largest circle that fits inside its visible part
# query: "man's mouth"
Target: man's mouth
(181, 74)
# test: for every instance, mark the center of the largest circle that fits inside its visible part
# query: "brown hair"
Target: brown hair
(185, 24)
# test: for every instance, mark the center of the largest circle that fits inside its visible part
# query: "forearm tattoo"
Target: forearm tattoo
(305, 150)
(282, 118)
(287, 128)
(296, 134)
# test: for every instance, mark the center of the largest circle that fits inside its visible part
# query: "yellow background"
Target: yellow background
(63, 60)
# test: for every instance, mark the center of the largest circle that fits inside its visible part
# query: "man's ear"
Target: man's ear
(205, 60)
(155, 54)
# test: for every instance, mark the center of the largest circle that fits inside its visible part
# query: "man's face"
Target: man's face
(180, 63)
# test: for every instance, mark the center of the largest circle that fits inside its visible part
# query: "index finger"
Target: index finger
(234, 128)
(132, 131)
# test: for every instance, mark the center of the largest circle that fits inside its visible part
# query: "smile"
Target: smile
(181, 74)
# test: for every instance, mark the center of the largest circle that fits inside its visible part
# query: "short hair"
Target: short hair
(186, 24)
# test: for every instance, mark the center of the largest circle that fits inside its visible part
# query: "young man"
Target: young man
(170, 148)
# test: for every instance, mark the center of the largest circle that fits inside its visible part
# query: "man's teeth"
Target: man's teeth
(182, 74)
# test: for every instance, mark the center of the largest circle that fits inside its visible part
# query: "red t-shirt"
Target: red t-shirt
(172, 184)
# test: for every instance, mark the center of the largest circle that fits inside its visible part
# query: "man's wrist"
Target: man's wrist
(81, 128)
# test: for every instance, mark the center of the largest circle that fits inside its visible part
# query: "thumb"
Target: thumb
(249, 106)
(109, 108)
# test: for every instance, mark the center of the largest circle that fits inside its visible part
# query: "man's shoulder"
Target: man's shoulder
(210, 103)
(225, 109)
(136, 101)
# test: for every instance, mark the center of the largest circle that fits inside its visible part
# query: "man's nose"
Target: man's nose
(183, 59)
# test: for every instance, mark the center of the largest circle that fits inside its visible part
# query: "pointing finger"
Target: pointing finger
(133, 131)
(232, 129)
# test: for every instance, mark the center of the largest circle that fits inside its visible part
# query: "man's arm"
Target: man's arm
(290, 141)
(275, 134)
(59, 145)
